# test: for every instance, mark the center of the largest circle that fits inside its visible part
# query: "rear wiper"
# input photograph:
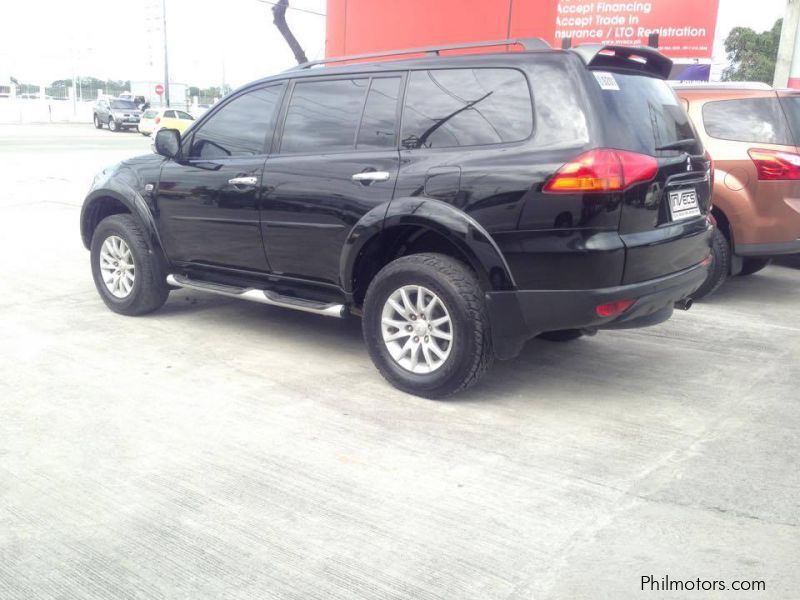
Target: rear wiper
(677, 145)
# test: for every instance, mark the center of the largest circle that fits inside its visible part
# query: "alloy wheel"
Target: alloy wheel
(117, 266)
(417, 329)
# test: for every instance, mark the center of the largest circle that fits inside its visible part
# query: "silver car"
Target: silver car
(117, 113)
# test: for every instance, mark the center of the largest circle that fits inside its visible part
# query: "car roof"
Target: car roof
(498, 59)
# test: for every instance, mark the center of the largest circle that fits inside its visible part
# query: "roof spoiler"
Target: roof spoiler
(629, 58)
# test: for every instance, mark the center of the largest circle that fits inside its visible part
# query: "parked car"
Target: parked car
(483, 217)
(751, 133)
(116, 113)
(154, 119)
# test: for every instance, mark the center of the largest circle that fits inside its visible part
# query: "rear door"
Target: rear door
(336, 160)
(663, 223)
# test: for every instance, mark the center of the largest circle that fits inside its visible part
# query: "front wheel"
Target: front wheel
(128, 274)
(720, 265)
(426, 326)
(112, 125)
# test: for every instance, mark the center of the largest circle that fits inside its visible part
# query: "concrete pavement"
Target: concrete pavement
(220, 449)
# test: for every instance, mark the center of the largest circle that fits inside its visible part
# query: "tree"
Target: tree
(752, 55)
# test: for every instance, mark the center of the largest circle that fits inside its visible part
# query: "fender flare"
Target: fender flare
(459, 228)
(129, 198)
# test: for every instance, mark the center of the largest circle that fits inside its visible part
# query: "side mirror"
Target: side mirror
(168, 143)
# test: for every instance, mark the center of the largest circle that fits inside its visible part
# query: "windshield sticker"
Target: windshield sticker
(606, 80)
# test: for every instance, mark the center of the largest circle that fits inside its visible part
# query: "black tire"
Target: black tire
(752, 265)
(458, 289)
(112, 125)
(149, 290)
(561, 335)
(98, 124)
(720, 265)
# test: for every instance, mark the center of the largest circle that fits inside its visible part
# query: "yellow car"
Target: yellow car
(154, 119)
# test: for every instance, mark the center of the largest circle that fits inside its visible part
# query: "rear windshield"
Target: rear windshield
(791, 107)
(756, 120)
(123, 104)
(645, 114)
(149, 114)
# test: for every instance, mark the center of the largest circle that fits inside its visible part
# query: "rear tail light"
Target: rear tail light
(158, 120)
(775, 164)
(603, 170)
(612, 309)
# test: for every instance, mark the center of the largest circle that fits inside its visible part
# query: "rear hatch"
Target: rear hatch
(663, 221)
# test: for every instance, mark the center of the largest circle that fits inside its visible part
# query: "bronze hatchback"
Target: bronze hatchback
(751, 133)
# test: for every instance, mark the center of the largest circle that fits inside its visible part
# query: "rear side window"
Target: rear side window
(380, 114)
(323, 116)
(466, 107)
(240, 126)
(642, 113)
(757, 120)
(791, 106)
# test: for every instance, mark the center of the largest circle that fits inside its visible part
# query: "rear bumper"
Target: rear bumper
(517, 316)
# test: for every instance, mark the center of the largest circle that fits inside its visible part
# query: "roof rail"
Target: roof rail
(631, 58)
(526, 43)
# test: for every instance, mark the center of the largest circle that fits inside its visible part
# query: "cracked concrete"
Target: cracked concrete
(219, 449)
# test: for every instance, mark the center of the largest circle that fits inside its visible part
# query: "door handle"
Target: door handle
(244, 181)
(370, 176)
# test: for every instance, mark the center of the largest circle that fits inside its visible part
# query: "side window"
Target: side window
(757, 120)
(380, 114)
(240, 127)
(169, 114)
(323, 115)
(183, 115)
(466, 107)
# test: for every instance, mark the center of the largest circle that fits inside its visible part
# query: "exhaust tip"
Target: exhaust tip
(684, 304)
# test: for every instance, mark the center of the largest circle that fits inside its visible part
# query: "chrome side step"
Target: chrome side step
(262, 296)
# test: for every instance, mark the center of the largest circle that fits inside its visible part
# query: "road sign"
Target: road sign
(159, 89)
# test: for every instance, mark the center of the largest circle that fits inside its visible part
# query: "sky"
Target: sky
(209, 40)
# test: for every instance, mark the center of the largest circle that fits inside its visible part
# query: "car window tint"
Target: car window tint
(240, 127)
(183, 115)
(466, 107)
(791, 106)
(654, 116)
(757, 120)
(380, 114)
(323, 115)
(169, 114)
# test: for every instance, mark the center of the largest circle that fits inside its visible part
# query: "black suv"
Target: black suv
(460, 204)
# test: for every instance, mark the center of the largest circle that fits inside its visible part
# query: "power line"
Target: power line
(305, 10)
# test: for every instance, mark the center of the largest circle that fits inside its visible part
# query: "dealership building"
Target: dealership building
(686, 28)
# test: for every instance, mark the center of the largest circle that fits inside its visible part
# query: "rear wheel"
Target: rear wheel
(98, 124)
(753, 265)
(720, 265)
(128, 274)
(426, 327)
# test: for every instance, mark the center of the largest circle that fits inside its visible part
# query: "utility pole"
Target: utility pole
(787, 65)
(166, 62)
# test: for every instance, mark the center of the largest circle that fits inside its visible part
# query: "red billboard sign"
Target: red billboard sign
(686, 27)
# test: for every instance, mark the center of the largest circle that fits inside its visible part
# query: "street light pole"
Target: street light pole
(166, 63)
